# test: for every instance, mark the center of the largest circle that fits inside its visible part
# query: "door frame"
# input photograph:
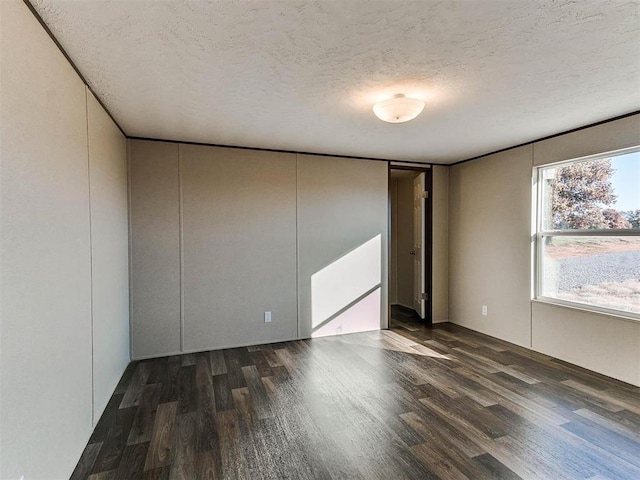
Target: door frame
(428, 237)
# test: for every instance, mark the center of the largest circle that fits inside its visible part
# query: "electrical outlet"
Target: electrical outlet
(484, 310)
(267, 317)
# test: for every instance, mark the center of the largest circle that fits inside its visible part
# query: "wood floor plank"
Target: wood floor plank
(218, 365)
(615, 404)
(187, 391)
(233, 359)
(143, 421)
(434, 432)
(612, 442)
(188, 360)
(183, 466)
(158, 370)
(123, 384)
(101, 430)
(257, 392)
(222, 393)
(271, 357)
(409, 403)
(160, 452)
(204, 382)
(207, 434)
(257, 466)
(442, 465)
(233, 466)
(161, 473)
(109, 475)
(136, 386)
(88, 458)
(207, 466)
(132, 463)
(170, 389)
(563, 450)
(618, 427)
(262, 365)
(495, 469)
(113, 447)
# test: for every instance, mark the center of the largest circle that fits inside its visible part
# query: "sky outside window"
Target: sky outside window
(626, 181)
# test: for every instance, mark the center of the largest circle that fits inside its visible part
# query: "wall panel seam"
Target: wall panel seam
(130, 235)
(181, 245)
(533, 251)
(93, 400)
(64, 53)
(297, 260)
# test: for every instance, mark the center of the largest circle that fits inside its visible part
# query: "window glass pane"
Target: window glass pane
(600, 271)
(593, 194)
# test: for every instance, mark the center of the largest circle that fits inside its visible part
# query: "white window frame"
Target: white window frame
(540, 233)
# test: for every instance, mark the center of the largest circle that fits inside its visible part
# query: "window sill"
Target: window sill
(617, 314)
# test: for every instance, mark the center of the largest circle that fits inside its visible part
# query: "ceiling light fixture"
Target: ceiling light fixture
(398, 109)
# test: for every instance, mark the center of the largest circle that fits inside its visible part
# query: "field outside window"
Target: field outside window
(588, 238)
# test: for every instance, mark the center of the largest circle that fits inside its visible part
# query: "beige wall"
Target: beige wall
(155, 248)
(46, 248)
(440, 265)
(490, 257)
(109, 253)
(489, 245)
(239, 246)
(607, 137)
(603, 343)
(598, 342)
(342, 245)
(219, 236)
(62, 211)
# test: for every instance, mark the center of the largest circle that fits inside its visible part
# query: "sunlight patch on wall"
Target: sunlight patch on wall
(343, 282)
(360, 317)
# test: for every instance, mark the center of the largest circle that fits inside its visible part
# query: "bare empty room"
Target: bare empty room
(319, 239)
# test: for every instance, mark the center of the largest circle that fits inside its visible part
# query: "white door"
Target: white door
(418, 245)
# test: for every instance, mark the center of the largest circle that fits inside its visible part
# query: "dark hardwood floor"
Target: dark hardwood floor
(411, 402)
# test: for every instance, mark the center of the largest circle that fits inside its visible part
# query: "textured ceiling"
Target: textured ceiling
(303, 75)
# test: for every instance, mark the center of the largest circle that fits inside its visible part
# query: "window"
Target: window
(588, 233)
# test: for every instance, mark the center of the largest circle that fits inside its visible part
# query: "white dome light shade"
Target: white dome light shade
(398, 109)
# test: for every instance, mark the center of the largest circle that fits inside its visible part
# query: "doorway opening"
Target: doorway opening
(410, 245)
